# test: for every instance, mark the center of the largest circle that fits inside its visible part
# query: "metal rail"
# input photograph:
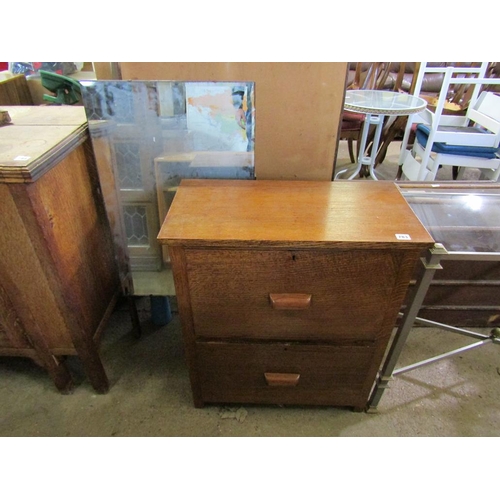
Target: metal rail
(431, 263)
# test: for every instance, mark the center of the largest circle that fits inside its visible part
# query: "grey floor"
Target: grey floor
(150, 393)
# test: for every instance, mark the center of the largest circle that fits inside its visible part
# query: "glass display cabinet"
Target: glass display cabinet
(147, 136)
(464, 220)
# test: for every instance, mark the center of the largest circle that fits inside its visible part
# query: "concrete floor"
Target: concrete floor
(150, 394)
(389, 168)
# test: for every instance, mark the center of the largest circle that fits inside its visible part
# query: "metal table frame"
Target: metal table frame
(431, 263)
(375, 115)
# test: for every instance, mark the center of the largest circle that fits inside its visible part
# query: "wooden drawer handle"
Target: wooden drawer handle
(282, 379)
(290, 300)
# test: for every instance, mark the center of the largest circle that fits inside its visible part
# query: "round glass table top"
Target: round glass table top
(382, 102)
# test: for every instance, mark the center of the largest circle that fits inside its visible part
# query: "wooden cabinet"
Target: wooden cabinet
(288, 290)
(58, 275)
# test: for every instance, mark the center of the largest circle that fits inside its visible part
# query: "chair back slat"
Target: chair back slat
(489, 104)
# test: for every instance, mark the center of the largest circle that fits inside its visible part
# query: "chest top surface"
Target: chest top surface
(46, 115)
(292, 213)
(37, 139)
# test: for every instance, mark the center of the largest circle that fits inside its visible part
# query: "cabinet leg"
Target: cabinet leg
(60, 376)
(99, 380)
(28, 329)
(57, 370)
(94, 369)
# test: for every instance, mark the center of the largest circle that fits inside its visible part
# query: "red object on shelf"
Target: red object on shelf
(4, 66)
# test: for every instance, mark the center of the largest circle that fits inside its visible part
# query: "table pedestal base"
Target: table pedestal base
(366, 161)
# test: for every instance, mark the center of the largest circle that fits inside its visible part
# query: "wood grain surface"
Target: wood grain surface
(15, 92)
(351, 292)
(27, 152)
(302, 213)
(235, 373)
(327, 253)
(47, 115)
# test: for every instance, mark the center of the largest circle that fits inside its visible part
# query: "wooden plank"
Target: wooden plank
(15, 92)
(46, 115)
(27, 152)
(104, 70)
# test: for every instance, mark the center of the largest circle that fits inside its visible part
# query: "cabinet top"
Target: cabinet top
(46, 115)
(37, 138)
(312, 214)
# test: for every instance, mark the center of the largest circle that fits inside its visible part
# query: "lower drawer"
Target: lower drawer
(285, 373)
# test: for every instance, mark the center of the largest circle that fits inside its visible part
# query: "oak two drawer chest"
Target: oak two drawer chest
(288, 290)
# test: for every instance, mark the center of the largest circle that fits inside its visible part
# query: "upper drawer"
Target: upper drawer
(322, 296)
